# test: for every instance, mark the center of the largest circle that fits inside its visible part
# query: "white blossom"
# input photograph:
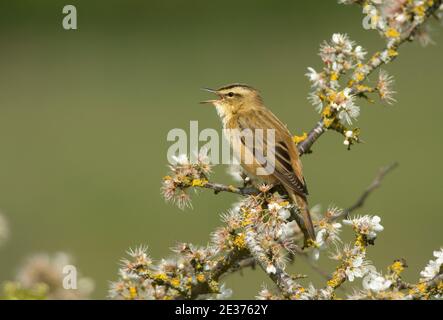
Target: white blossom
(309, 293)
(342, 41)
(181, 159)
(348, 112)
(344, 104)
(357, 267)
(434, 266)
(315, 100)
(271, 269)
(284, 214)
(225, 293)
(315, 77)
(289, 229)
(328, 233)
(325, 294)
(274, 206)
(375, 282)
(359, 52)
(366, 225)
(385, 57)
(384, 87)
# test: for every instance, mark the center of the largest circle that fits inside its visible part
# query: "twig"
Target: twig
(313, 135)
(228, 262)
(435, 282)
(218, 187)
(374, 185)
(223, 266)
(321, 272)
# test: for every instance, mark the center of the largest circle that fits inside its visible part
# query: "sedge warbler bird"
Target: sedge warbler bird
(241, 107)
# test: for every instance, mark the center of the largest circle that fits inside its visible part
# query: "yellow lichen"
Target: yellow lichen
(360, 242)
(175, 282)
(327, 112)
(363, 88)
(240, 241)
(420, 10)
(335, 282)
(334, 76)
(397, 267)
(420, 289)
(392, 33)
(284, 203)
(392, 53)
(332, 96)
(299, 292)
(199, 182)
(247, 219)
(359, 76)
(328, 122)
(133, 292)
(298, 139)
(161, 276)
(201, 277)
(213, 285)
(311, 243)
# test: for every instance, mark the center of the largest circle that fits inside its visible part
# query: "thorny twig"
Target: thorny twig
(374, 185)
(218, 187)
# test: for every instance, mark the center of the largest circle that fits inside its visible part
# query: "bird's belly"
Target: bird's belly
(248, 161)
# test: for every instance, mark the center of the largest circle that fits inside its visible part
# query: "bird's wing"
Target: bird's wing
(288, 169)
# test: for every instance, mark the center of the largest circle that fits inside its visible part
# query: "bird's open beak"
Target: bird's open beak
(210, 101)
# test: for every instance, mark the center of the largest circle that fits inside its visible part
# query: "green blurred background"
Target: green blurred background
(84, 116)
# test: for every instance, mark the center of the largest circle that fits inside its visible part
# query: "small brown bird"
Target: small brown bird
(241, 107)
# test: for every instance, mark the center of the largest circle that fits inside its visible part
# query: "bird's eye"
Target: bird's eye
(230, 94)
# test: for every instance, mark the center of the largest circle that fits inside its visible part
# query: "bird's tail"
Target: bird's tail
(303, 217)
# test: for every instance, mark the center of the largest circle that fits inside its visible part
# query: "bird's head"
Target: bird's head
(234, 97)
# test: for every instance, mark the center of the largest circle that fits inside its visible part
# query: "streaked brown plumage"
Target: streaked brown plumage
(241, 107)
